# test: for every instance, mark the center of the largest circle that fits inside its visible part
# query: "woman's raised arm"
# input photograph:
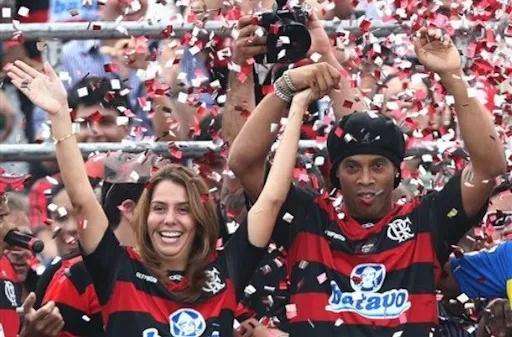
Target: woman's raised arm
(47, 91)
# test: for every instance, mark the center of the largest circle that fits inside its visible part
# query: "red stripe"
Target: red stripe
(352, 229)
(35, 16)
(319, 250)
(62, 290)
(10, 321)
(311, 306)
(126, 297)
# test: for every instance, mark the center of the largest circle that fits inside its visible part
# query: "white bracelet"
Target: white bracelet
(282, 92)
(288, 82)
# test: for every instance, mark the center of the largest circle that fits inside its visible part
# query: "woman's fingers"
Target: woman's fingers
(19, 72)
(27, 69)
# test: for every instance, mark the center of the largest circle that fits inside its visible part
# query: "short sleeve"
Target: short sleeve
(447, 220)
(103, 265)
(484, 274)
(241, 258)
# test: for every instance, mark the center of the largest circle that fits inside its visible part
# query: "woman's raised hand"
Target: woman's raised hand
(44, 89)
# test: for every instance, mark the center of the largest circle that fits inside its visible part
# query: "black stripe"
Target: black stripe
(329, 329)
(158, 289)
(128, 324)
(381, 242)
(80, 277)
(75, 324)
(417, 279)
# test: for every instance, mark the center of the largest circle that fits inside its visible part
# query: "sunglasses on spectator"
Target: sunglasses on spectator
(499, 219)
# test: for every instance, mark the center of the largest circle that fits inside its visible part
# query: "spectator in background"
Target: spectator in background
(97, 105)
(82, 58)
(25, 264)
(7, 117)
(63, 223)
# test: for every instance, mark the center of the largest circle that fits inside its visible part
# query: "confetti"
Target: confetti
(82, 92)
(23, 11)
(463, 298)
(453, 212)
(288, 217)
(321, 278)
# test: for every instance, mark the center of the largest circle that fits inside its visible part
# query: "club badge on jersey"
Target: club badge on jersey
(400, 230)
(187, 322)
(10, 293)
(366, 279)
(213, 282)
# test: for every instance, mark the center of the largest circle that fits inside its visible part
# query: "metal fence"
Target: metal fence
(193, 149)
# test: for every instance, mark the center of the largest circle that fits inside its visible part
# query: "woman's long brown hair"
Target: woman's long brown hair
(204, 243)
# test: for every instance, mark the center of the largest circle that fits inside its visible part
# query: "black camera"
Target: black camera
(288, 38)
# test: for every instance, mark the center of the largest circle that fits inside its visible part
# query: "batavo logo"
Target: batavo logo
(366, 279)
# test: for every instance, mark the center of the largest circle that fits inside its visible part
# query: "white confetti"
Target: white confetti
(115, 84)
(23, 11)
(463, 298)
(288, 217)
(134, 176)
(315, 57)
(82, 92)
(52, 207)
(6, 12)
(232, 226)
(249, 290)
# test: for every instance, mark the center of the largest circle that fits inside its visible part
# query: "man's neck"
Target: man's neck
(124, 233)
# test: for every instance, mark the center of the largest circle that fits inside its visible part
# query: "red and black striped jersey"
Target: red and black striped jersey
(349, 279)
(72, 291)
(135, 303)
(10, 299)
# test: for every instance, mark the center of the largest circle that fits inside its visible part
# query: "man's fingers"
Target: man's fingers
(256, 32)
(52, 322)
(255, 50)
(251, 41)
(29, 303)
(244, 21)
(44, 311)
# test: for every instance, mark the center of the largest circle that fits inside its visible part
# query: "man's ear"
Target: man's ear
(127, 208)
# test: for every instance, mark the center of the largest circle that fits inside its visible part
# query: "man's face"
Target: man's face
(4, 210)
(132, 10)
(4, 207)
(406, 99)
(100, 129)
(503, 203)
(367, 183)
(19, 257)
(66, 225)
